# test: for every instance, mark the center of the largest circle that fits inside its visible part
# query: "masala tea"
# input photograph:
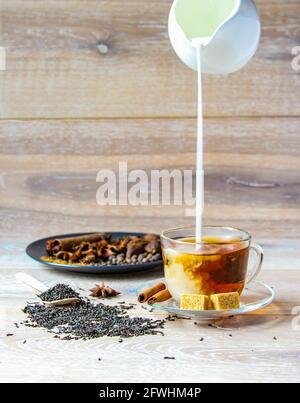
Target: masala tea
(217, 265)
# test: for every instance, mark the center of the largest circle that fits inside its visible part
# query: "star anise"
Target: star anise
(103, 291)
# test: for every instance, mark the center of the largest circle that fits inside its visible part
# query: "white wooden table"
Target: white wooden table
(263, 347)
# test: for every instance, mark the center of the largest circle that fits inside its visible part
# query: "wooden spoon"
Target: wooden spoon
(40, 288)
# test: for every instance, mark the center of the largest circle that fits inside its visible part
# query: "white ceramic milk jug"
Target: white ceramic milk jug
(229, 31)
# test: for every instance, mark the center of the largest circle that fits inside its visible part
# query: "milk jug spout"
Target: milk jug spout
(228, 31)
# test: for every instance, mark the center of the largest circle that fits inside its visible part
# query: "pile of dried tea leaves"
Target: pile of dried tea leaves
(86, 320)
(58, 292)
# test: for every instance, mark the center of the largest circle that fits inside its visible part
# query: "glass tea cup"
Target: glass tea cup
(218, 264)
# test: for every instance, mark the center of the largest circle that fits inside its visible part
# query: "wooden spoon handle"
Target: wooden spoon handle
(61, 302)
(31, 282)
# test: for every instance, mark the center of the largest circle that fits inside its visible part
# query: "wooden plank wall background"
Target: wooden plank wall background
(68, 110)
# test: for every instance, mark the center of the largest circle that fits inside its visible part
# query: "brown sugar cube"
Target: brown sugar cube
(229, 300)
(194, 302)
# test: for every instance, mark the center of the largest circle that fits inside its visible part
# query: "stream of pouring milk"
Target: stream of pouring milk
(199, 20)
(199, 154)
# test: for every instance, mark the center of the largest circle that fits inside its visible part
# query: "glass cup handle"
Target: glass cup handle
(259, 261)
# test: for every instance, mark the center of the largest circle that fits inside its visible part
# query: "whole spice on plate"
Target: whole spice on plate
(104, 250)
(58, 292)
(135, 247)
(67, 244)
(153, 246)
(103, 291)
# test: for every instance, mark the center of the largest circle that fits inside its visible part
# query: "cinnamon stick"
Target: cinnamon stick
(161, 296)
(67, 244)
(145, 295)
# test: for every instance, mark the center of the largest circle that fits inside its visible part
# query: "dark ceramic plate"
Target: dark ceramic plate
(37, 250)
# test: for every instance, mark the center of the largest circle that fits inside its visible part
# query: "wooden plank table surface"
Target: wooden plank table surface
(263, 347)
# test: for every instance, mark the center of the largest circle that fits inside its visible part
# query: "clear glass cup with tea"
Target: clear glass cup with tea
(218, 264)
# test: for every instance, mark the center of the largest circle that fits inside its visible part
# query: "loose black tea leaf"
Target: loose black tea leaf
(170, 318)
